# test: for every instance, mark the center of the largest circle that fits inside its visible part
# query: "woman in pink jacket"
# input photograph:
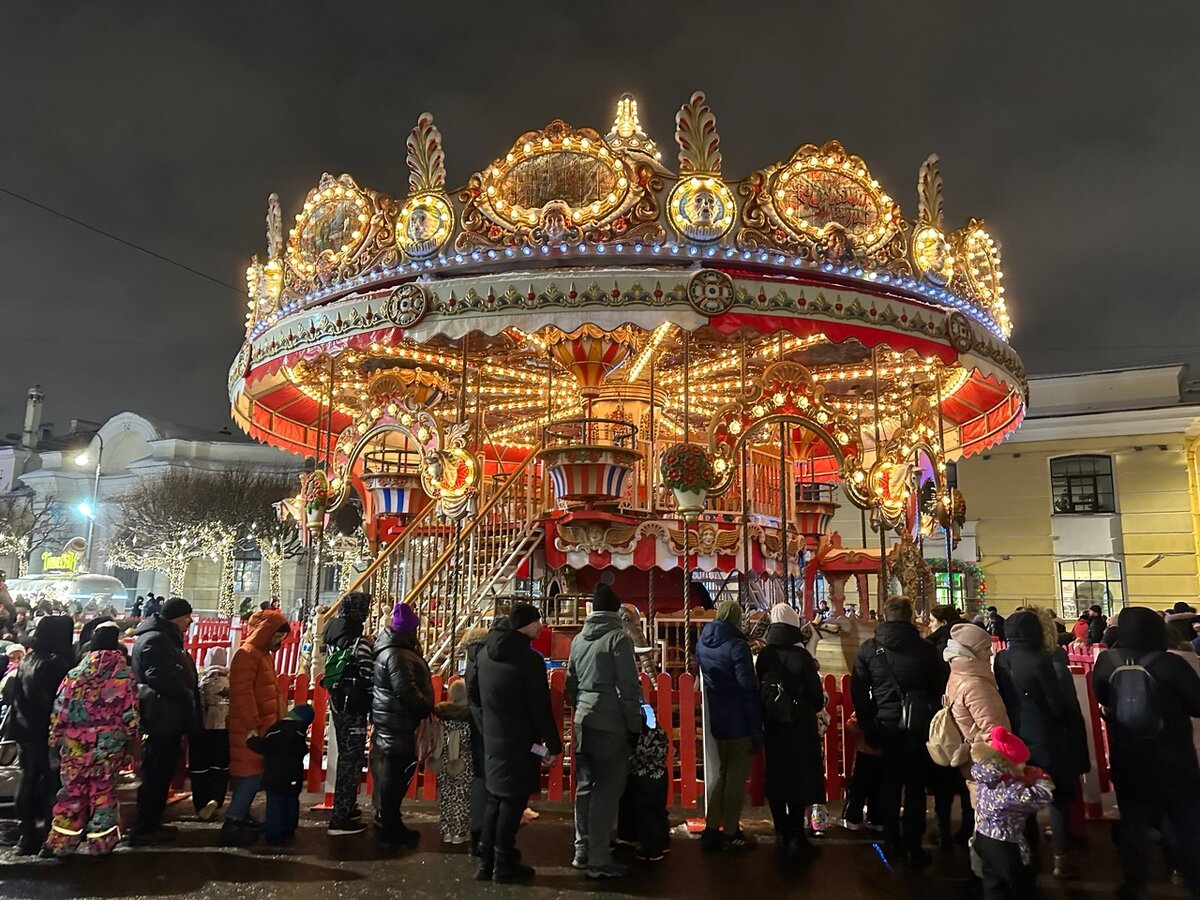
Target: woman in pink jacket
(971, 693)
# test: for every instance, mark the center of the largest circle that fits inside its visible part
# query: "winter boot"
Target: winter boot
(510, 870)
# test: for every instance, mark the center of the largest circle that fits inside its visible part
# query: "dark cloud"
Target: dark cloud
(1072, 128)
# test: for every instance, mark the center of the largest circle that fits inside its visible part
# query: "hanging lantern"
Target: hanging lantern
(590, 354)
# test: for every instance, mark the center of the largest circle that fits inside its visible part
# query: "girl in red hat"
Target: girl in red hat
(1009, 792)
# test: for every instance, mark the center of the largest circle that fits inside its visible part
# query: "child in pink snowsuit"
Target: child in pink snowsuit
(93, 728)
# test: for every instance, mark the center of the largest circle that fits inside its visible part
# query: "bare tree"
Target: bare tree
(28, 523)
(184, 514)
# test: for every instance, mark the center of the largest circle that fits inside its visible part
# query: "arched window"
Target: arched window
(1090, 582)
(1082, 484)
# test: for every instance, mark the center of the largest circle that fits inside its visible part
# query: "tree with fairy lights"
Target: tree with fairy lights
(29, 522)
(185, 514)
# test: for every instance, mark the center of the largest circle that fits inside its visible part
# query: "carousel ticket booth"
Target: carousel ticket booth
(586, 364)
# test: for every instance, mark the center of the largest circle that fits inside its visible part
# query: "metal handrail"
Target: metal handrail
(394, 547)
(434, 569)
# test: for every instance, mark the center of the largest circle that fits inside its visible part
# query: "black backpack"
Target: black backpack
(779, 706)
(1133, 696)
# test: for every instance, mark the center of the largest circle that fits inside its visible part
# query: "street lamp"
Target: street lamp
(88, 510)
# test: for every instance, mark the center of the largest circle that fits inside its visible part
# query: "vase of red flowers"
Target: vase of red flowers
(687, 470)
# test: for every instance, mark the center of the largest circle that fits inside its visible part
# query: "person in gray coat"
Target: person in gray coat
(602, 682)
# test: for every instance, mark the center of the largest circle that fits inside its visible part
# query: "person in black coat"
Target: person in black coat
(795, 774)
(473, 642)
(168, 688)
(1096, 624)
(30, 694)
(402, 699)
(1157, 779)
(514, 701)
(947, 616)
(895, 663)
(1043, 711)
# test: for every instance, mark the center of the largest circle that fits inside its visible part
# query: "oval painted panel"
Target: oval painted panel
(577, 179)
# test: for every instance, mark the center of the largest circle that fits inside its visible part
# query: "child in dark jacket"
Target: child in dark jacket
(283, 747)
(642, 817)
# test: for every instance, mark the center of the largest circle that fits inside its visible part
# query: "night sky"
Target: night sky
(1071, 128)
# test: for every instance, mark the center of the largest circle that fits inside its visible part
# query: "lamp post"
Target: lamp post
(83, 459)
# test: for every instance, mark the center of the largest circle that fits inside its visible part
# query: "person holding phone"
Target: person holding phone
(602, 682)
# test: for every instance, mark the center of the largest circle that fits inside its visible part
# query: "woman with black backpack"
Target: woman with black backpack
(792, 698)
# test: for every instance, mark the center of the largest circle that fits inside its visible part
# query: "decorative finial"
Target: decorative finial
(696, 135)
(929, 192)
(426, 161)
(627, 133)
(626, 124)
(274, 228)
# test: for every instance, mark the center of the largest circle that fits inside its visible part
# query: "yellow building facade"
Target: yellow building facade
(1094, 498)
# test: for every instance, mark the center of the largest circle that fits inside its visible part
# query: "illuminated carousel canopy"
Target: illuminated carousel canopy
(565, 278)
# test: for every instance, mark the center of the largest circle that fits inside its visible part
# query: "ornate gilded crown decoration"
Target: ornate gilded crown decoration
(579, 299)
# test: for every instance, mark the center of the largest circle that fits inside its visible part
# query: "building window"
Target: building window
(1082, 484)
(247, 571)
(1090, 582)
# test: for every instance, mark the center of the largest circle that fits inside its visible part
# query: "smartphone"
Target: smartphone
(648, 715)
(540, 751)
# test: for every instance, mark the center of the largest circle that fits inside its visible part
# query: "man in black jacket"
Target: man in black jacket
(1157, 779)
(350, 702)
(473, 643)
(30, 694)
(402, 699)
(897, 663)
(514, 699)
(170, 701)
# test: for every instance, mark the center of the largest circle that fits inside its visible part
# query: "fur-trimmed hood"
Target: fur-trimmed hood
(455, 712)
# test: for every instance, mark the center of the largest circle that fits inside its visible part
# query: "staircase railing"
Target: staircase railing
(450, 592)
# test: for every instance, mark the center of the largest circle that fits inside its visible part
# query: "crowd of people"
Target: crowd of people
(934, 713)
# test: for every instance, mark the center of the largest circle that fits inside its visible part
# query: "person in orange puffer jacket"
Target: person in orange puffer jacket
(255, 704)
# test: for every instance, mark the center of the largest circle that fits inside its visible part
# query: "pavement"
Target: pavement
(850, 866)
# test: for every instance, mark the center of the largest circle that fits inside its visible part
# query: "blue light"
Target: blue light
(620, 248)
(491, 254)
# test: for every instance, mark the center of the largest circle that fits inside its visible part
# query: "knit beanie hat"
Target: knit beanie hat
(783, 614)
(404, 620)
(974, 638)
(107, 636)
(302, 714)
(1009, 746)
(175, 608)
(604, 599)
(730, 611)
(523, 614)
(355, 606)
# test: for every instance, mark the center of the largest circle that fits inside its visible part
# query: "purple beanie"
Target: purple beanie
(404, 620)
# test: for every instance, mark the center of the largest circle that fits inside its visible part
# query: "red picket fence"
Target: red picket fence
(678, 709)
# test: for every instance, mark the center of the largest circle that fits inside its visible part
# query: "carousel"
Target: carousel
(583, 366)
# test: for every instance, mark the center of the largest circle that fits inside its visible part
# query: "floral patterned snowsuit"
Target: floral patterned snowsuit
(94, 725)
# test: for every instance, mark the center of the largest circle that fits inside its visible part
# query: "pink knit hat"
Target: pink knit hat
(1009, 746)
